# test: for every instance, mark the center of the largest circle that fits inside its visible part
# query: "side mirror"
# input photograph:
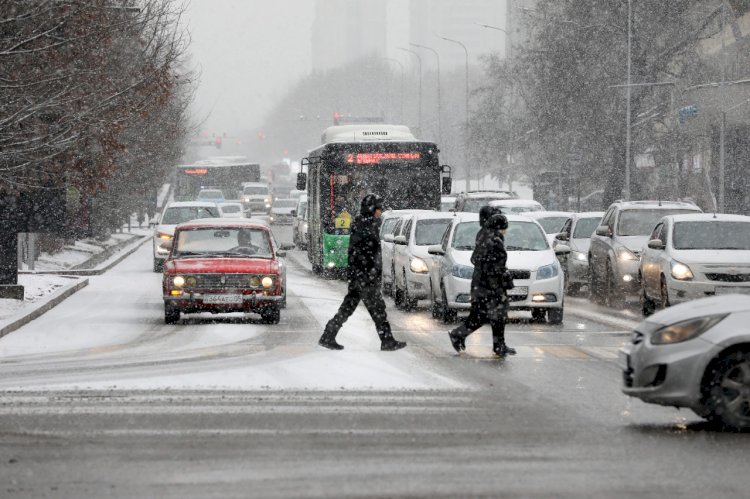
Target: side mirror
(388, 238)
(436, 250)
(301, 181)
(399, 240)
(167, 245)
(656, 244)
(286, 246)
(294, 213)
(604, 230)
(281, 253)
(562, 236)
(562, 249)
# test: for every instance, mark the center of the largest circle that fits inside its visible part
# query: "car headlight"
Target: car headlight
(178, 281)
(267, 282)
(625, 254)
(577, 255)
(267, 200)
(547, 272)
(418, 266)
(462, 271)
(685, 330)
(681, 271)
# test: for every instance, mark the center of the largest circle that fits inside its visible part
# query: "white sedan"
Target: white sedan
(532, 263)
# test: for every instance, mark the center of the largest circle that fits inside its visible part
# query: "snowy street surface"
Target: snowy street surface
(100, 398)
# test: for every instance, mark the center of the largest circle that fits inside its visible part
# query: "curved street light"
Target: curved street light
(419, 59)
(466, 120)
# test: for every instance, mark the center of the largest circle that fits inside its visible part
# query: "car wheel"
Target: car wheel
(648, 306)
(595, 287)
(664, 294)
(449, 315)
(614, 299)
(728, 400)
(270, 315)
(409, 302)
(436, 307)
(555, 315)
(171, 315)
(538, 315)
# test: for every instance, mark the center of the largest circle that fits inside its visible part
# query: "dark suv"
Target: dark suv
(472, 201)
(616, 246)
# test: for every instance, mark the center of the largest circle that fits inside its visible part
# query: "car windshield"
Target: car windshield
(223, 242)
(711, 235)
(525, 236)
(213, 194)
(642, 222)
(429, 232)
(284, 203)
(473, 205)
(552, 225)
(178, 215)
(250, 190)
(585, 227)
(464, 235)
(231, 208)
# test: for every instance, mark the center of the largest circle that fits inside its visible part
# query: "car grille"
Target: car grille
(222, 281)
(520, 274)
(517, 297)
(729, 277)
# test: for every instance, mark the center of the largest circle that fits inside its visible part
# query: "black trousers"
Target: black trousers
(371, 295)
(492, 310)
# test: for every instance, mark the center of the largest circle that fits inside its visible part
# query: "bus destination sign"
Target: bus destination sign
(375, 158)
(195, 171)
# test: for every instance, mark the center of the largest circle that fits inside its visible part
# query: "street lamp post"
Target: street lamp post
(626, 187)
(401, 117)
(419, 98)
(466, 120)
(437, 58)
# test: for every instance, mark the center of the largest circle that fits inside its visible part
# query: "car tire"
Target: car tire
(270, 315)
(726, 403)
(436, 307)
(171, 314)
(595, 287)
(648, 306)
(449, 315)
(663, 294)
(613, 299)
(555, 315)
(409, 302)
(538, 315)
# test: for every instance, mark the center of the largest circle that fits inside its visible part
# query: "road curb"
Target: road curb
(55, 299)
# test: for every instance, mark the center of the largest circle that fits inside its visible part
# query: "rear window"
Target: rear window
(429, 232)
(711, 236)
(181, 214)
(642, 222)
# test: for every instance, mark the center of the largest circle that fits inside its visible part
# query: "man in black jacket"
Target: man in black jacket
(364, 276)
(489, 302)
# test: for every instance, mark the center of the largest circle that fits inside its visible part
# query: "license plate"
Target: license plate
(518, 291)
(623, 360)
(222, 299)
(727, 290)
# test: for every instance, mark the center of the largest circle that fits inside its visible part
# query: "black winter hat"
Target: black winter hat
(485, 212)
(497, 221)
(370, 203)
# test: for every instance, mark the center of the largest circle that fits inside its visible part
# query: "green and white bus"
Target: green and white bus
(355, 160)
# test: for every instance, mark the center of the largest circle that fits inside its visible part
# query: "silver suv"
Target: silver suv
(473, 201)
(616, 247)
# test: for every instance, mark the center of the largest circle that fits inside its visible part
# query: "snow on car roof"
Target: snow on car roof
(514, 202)
(549, 214)
(708, 217)
(588, 214)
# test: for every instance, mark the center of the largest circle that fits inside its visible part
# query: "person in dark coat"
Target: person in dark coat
(364, 273)
(489, 302)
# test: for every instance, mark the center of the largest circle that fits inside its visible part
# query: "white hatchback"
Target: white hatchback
(176, 213)
(694, 256)
(532, 263)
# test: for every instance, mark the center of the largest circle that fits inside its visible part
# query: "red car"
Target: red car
(224, 265)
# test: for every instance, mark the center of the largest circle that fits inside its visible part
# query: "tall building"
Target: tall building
(345, 30)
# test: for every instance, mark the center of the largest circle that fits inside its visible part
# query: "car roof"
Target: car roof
(399, 213)
(223, 223)
(708, 217)
(651, 204)
(191, 204)
(549, 214)
(485, 194)
(462, 216)
(588, 214)
(432, 215)
(514, 202)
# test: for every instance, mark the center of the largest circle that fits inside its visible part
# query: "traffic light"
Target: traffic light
(336, 118)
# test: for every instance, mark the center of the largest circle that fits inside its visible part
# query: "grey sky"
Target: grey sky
(249, 53)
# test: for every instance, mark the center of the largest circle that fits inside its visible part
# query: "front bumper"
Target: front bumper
(418, 285)
(458, 293)
(666, 374)
(578, 271)
(682, 291)
(193, 302)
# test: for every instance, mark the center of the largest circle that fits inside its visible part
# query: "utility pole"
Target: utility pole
(466, 120)
(722, 100)
(439, 108)
(419, 98)
(626, 187)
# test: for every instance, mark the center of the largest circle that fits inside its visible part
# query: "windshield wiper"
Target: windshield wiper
(463, 248)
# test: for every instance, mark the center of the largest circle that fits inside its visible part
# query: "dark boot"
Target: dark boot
(328, 340)
(458, 340)
(502, 350)
(388, 343)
